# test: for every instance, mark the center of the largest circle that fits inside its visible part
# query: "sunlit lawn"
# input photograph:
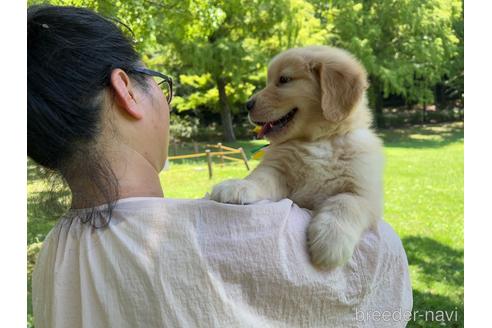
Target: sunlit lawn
(423, 202)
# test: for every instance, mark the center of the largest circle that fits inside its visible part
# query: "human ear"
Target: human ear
(342, 85)
(124, 92)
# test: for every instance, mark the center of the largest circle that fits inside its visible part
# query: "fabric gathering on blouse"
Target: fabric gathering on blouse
(198, 263)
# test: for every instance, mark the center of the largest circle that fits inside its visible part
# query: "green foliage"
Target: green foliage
(200, 91)
(183, 128)
(408, 47)
(405, 45)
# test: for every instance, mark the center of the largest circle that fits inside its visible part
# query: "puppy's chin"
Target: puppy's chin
(310, 128)
(277, 138)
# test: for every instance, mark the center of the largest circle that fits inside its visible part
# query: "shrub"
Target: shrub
(183, 127)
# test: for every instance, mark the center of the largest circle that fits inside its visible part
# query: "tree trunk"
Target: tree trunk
(423, 113)
(380, 122)
(377, 102)
(225, 112)
(439, 96)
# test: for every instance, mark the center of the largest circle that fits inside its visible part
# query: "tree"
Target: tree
(217, 42)
(223, 46)
(217, 50)
(404, 45)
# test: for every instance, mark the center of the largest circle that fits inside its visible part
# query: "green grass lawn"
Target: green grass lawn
(423, 202)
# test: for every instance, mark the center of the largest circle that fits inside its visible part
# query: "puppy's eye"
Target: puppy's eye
(284, 79)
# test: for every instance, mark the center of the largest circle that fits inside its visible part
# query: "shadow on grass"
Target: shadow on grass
(425, 136)
(433, 310)
(43, 211)
(44, 208)
(34, 172)
(437, 263)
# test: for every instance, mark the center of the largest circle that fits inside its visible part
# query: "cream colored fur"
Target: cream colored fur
(326, 159)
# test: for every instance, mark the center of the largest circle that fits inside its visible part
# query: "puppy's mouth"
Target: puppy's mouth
(275, 126)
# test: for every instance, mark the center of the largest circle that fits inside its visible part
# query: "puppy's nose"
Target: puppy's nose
(250, 104)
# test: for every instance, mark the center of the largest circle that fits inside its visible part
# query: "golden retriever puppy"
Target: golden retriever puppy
(323, 154)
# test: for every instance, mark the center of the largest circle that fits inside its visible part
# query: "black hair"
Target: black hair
(71, 53)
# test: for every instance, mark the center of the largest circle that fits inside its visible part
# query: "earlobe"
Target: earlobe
(125, 94)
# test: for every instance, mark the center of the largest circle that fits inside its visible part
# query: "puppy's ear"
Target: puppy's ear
(342, 87)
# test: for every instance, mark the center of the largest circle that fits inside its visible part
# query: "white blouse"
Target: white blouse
(198, 263)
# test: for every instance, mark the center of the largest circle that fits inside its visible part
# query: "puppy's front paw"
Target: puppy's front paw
(235, 192)
(329, 244)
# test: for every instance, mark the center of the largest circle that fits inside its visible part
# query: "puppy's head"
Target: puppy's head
(310, 93)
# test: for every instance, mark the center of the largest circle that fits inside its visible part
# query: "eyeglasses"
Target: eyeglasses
(166, 83)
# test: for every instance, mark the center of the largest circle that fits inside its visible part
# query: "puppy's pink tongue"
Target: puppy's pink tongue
(264, 129)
